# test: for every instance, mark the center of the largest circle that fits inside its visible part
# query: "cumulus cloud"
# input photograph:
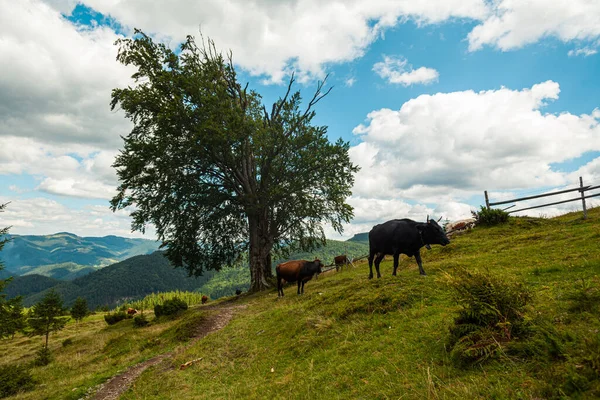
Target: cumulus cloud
(49, 216)
(270, 38)
(445, 148)
(397, 70)
(513, 24)
(56, 78)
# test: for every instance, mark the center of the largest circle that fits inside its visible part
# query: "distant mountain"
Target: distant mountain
(67, 256)
(360, 237)
(133, 278)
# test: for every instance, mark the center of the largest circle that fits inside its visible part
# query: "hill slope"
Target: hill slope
(349, 337)
(130, 279)
(25, 254)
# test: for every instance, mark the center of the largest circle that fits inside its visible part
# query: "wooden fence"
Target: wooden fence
(581, 189)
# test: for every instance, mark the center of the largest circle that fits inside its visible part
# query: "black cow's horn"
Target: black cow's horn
(427, 218)
(439, 219)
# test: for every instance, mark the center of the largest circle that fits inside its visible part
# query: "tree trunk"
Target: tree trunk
(260, 252)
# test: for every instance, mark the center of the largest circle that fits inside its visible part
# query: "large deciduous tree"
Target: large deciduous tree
(215, 171)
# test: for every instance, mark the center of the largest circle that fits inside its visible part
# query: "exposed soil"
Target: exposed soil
(117, 385)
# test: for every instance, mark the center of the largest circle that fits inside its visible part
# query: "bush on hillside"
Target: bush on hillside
(490, 217)
(139, 321)
(14, 379)
(170, 307)
(585, 297)
(113, 318)
(43, 357)
(492, 315)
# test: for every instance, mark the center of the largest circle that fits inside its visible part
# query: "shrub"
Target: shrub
(115, 317)
(585, 297)
(492, 315)
(170, 307)
(14, 379)
(490, 216)
(139, 321)
(67, 342)
(43, 357)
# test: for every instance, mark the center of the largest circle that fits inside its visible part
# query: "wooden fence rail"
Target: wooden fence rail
(582, 189)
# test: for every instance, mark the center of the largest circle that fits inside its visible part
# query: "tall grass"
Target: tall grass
(154, 299)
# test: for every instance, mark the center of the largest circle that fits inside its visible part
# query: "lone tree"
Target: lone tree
(80, 309)
(12, 319)
(46, 316)
(215, 171)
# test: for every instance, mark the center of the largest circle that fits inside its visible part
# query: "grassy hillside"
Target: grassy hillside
(67, 253)
(353, 338)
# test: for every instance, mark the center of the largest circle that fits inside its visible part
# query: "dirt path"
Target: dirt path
(117, 385)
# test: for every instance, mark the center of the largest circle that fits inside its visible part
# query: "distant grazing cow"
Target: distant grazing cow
(300, 271)
(131, 311)
(204, 299)
(238, 292)
(341, 261)
(459, 226)
(403, 236)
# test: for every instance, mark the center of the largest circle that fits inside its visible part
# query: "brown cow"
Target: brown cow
(341, 261)
(300, 271)
(131, 311)
(204, 299)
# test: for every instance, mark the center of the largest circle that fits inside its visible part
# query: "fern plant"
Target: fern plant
(492, 313)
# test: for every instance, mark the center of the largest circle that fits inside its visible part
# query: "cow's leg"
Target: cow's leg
(299, 284)
(419, 262)
(303, 282)
(377, 262)
(371, 256)
(396, 258)
(279, 288)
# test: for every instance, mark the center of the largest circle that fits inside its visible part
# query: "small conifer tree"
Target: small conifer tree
(80, 309)
(47, 316)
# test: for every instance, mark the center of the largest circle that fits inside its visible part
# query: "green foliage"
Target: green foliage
(492, 313)
(113, 318)
(170, 307)
(43, 357)
(15, 379)
(12, 318)
(230, 176)
(490, 217)
(46, 316)
(80, 309)
(585, 296)
(151, 300)
(139, 321)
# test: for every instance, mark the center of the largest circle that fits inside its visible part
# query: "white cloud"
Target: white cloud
(513, 24)
(584, 51)
(47, 216)
(445, 148)
(397, 70)
(350, 82)
(57, 78)
(270, 38)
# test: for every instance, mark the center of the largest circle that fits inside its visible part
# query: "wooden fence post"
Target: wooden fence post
(582, 197)
(487, 200)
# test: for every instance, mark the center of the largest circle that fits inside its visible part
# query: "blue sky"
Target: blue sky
(440, 100)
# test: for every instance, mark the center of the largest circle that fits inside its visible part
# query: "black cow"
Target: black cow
(300, 271)
(403, 236)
